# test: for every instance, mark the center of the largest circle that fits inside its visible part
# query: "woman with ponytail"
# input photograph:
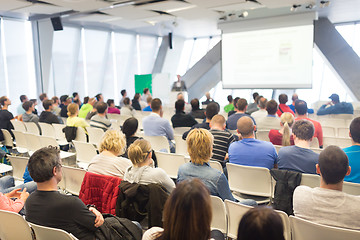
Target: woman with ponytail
(284, 135)
(142, 171)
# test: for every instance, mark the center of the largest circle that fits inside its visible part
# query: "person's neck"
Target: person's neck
(337, 186)
(50, 185)
(302, 143)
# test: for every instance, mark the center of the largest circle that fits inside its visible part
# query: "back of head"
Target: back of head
(283, 98)
(47, 104)
(245, 126)
(101, 107)
(287, 119)
(199, 145)
(187, 212)
(109, 102)
(195, 105)
(262, 102)
(334, 164)
(112, 141)
(42, 96)
(355, 130)
(179, 105)
(218, 120)
(42, 163)
(271, 107)
(303, 129)
(156, 104)
(138, 151)
(261, 223)
(230, 98)
(211, 110)
(26, 105)
(301, 107)
(130, 126)
(123, 92)
(241, 104)
(72, 108)
(126, 101)
(255, 95)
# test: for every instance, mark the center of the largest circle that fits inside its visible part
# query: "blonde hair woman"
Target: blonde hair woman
(73, 120)
(107, 162)
(142, 171)
(284, 135)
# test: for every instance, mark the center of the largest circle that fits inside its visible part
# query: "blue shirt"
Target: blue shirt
(298, 159)
(147, 109)
(154, 125)
(353, 154)
(231, 123)
(338, 108)
(214, 180)
(253, 152)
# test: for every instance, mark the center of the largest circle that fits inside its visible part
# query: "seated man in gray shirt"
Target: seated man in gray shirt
(327, 204)
(299, 157)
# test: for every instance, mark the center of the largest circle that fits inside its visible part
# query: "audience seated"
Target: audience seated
(196, 112)
(107, 162)
(241, 107)
(100, 119)
(211, 110)
(48, 207)
(87, 107)
(127, 109)
(253, 106)
(123, 96)
(235, 107)
(47, 116)
(148, 107)
(283, 136)
(271, 121)
(299, 157)
(261, 113)
(199, 145)
(261, 223)
(327, 204)
(136, 102)
(73, 119)
(230, 106)
(20, 110)
(208, 99)
(29, 116)
(180, 119)
(5, 116)
(353, 152)
(187, 215)
(301, 110)
(142, 171)
(56, 109)
(283, 98)
(222, 139)
(250, 151)
(335, 107)
(112, 109)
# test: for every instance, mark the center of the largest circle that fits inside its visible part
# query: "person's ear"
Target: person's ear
(348, 171)
(318, 169)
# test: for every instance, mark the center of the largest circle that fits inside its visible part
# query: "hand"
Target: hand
(99, 220)
(14, 193)
(24, 195)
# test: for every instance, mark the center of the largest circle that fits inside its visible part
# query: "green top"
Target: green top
(84, 110)
(229, 107)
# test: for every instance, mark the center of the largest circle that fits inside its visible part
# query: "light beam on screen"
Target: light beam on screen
(83, 48)
(113, 46)
(138, 54)
(3, 46)
(30, 59)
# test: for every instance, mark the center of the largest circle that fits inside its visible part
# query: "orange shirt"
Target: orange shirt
(318, 129)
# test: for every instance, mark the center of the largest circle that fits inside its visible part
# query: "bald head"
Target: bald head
(245, 127)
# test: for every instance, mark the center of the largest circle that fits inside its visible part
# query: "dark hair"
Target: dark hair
(334, 164)
(303, 129)
(26, 105)
(47, 103)
(130, 127)
(355, 129)
(42, 96)
(101, 107)
(271, 107)
(179, 105)
(211, 110)
(301, 107)
(241, 104)
(255, 94)
(42, 163)
(98, 96)
(195, 105)
(123, 92)
(283, 98)
(156, 104)
(3, 99)
(75, 94)
(146, 90)
(229, 98)
(261, 223)
(22, 98)
(235, 101)
(109, 102)
(187, 212)
(137, 96)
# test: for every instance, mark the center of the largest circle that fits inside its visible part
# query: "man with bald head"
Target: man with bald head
(250, 151)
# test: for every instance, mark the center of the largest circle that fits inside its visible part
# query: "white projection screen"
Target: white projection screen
(276, 57)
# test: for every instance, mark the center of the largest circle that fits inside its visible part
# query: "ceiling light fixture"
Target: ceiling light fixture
(295, 7)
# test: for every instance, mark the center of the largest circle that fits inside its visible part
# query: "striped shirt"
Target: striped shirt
(222, 141)
(100, 122)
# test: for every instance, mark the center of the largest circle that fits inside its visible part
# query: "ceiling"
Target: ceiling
(190, 18)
